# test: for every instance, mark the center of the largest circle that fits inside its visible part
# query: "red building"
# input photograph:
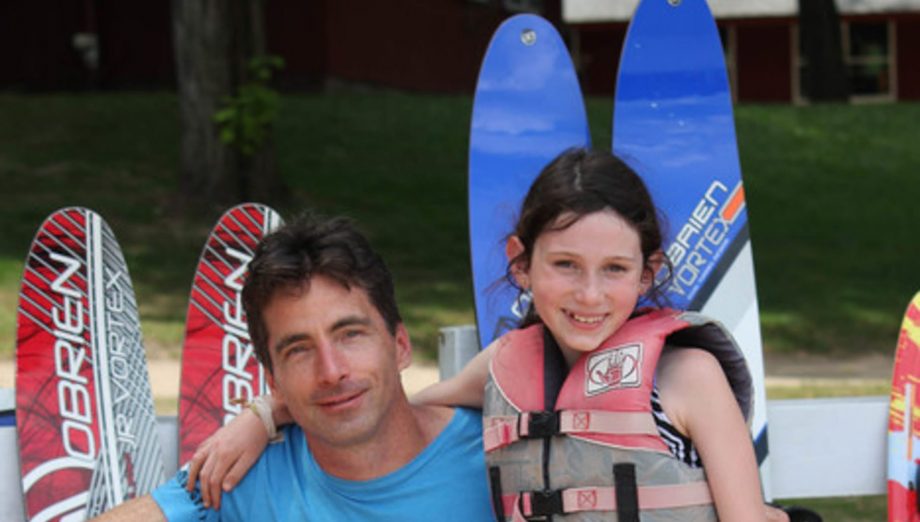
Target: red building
(881, 46)
(423, 45)
(437, 45)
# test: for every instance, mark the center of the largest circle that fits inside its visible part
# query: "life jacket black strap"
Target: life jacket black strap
(540, 425)
(495, 484)
(555, 370)
(624, 480)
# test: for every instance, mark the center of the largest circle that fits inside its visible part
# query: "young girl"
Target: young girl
(590, 392)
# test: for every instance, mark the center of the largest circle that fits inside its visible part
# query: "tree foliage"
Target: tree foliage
(246, 119)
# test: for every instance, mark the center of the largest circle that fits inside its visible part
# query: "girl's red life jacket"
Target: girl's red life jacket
(597, 448)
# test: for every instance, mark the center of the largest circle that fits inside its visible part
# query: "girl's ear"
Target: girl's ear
(513, 248)
(654, 263)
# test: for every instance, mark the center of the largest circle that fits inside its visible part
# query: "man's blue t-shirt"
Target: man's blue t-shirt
(446, 481)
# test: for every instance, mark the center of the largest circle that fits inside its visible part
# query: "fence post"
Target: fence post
(456, 346)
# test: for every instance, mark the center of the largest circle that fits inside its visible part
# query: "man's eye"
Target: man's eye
(295, 349)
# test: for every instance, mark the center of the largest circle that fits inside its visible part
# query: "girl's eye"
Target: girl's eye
(564, 264)
(615, 269)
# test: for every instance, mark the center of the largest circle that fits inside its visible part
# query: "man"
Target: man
(324, 323)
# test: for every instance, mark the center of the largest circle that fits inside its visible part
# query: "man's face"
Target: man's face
(336, 366)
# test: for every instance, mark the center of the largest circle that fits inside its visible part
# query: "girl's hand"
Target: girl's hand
(224, 458)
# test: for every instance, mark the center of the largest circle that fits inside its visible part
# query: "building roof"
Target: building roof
(589, 11)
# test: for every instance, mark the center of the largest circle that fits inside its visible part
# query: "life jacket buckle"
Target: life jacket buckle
(545, 503)
(540, 424)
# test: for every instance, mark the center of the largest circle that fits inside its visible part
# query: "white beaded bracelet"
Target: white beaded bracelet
(262, 407)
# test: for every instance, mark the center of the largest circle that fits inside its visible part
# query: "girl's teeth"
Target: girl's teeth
(590, 320)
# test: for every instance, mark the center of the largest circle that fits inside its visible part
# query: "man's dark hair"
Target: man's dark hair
(292, 255)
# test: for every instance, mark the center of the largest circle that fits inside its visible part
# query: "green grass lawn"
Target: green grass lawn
(833, 217)
(846, 509)
(829, 189)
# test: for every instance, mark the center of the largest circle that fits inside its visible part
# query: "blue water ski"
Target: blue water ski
(673, 123)
(528, 108)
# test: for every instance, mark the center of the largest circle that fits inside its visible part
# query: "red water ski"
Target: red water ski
(219, 367)
(84, 411)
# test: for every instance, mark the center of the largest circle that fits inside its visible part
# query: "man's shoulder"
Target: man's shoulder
(451, 474)
(289, 452)
(467, 417)
(463, 433)
(271, 484)
(459, 421)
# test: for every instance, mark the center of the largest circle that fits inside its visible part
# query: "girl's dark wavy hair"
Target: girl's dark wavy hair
(580, 182)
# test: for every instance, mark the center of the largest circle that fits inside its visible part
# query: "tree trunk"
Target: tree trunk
(819, 29)
(215, 41)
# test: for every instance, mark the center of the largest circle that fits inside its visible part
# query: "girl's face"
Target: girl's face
(585, 279)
